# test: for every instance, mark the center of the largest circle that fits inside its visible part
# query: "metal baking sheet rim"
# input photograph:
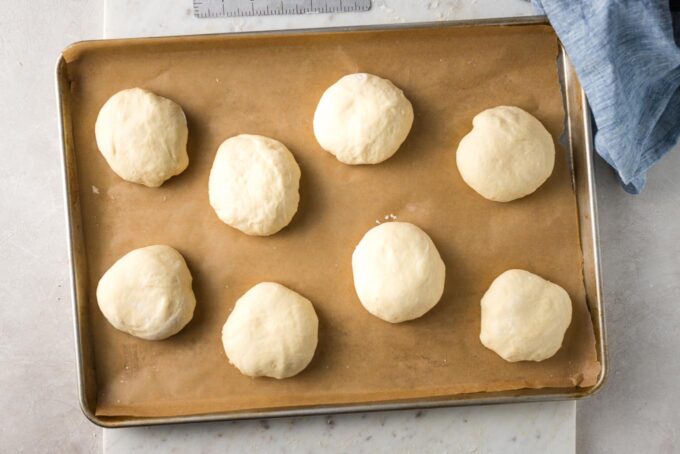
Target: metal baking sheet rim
(576, 122)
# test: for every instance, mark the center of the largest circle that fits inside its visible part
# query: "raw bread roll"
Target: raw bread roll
(142, 136)
(507, 155)
(147, 293)
(398, 273)
(362, 119)
(271, 332)
(524, 317)
(254, 184)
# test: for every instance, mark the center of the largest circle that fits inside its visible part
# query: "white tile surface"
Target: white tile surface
(527, 428)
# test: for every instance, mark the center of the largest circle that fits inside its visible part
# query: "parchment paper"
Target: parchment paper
(270, 86)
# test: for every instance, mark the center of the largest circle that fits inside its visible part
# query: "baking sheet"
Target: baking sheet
(270, 85)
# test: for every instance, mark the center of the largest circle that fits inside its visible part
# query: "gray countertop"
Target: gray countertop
(635, 412)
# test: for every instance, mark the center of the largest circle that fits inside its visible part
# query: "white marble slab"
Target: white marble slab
(517, 428)
(125, 18)
(521, 428)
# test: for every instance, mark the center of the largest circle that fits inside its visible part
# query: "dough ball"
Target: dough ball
(254, 184)
(524, 317)
(398, 273)
(507, 155)
(143, 136)
(362, 119)
(147, 293)
(271, 332)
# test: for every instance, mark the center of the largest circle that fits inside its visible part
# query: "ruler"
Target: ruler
(242, 8)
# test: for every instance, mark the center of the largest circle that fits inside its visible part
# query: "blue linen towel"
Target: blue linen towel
(626, 55)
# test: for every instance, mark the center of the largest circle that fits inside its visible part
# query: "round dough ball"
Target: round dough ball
(362, 119)
(524, 317)
(507, 155)
(398, 273)
(272, 332)
(254, 184)
(143, 136)
(147, 293)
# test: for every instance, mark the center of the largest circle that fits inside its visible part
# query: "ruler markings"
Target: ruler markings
(241, 8)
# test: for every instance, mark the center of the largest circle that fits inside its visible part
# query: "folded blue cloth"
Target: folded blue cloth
(627, 57)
